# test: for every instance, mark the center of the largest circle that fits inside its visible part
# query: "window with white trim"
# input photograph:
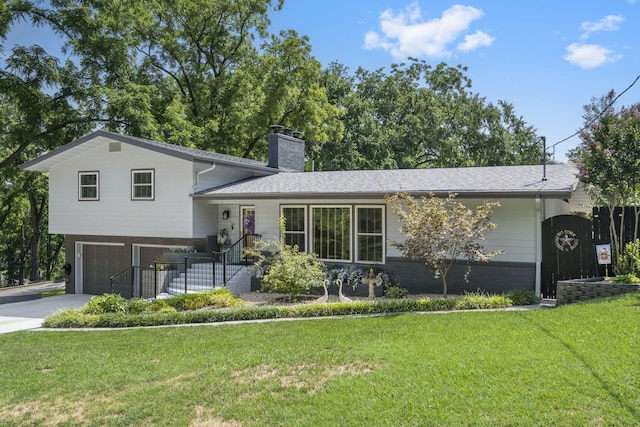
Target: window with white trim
(331, 232)
(370, 226)
(295, 228)
(89, 185)
(142, 184)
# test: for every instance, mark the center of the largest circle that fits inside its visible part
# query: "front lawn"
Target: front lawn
(575, 365)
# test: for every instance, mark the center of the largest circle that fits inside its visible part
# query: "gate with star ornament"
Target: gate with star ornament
(567, 251)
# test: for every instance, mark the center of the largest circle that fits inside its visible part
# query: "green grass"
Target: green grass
(52, 293)
(576, 365)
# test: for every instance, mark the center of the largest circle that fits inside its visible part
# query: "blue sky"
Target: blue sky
(546, 57)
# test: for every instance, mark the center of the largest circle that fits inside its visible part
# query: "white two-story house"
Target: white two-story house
(122, 201)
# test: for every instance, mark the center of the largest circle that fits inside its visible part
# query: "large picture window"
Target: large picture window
(88, 185)
(142, 185)
(332, 232)
(295, 230)
(370, 234)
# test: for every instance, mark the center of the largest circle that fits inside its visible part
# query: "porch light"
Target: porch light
(225, 214)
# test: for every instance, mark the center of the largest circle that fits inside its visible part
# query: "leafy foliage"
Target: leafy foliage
(609, 160)
(629, 261)
(439, 230)
(82, 318)
(287, 270)
(417, 115)
(523, 297)
(115, 303)
(395, 292)
(625, 278)
(107, 303)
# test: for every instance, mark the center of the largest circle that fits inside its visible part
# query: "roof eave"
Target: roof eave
(33, 165)
(563, 194)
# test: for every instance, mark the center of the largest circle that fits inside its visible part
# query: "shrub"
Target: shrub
(523, 297)
(217, 298)
(288, 271)
(107, 303)
(629, 261)
(479, 300)
(162, 313)
(625, 278)
(396, 292)
(138, 306)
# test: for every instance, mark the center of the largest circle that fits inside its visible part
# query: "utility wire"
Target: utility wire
(604, 110)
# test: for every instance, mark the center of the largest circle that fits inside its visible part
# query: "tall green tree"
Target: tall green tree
(45, 101)
(200, 73)
(608, 159)
(421, 116)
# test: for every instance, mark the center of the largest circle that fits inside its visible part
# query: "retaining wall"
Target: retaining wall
(569, 291)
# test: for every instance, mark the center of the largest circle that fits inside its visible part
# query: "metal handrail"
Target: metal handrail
(233, 256)
(134, 282)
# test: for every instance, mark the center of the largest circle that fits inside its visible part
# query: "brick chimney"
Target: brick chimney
(286, 150)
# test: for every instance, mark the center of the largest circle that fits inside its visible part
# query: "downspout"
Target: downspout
(538, 245)
(193, 189)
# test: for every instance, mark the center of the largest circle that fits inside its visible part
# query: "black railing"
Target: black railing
(135, 282)
(233, 259)
(194, 274)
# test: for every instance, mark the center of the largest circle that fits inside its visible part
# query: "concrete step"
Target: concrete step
(198, 282)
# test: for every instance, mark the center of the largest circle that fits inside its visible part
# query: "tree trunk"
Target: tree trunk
(444, 285)
(37, 211)
(23, 257)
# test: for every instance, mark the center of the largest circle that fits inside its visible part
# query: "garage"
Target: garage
(100, 262)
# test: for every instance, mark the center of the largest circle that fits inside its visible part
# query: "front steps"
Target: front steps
(199, 278)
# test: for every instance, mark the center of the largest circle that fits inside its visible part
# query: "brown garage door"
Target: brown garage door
(100, 263)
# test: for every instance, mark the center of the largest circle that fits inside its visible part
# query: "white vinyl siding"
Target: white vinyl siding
(88, 185)
(170, 215)
(142, 184)
(515, 219)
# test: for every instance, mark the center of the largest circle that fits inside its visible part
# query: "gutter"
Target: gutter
(193, 189)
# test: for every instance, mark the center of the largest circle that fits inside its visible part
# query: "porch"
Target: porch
(185, 272)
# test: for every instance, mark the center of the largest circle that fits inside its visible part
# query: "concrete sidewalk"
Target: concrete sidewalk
(24, 315)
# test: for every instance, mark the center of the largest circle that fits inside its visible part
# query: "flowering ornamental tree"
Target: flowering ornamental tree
(608, 160)
(439, 230)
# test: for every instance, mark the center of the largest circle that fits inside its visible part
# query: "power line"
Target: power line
(598, 115)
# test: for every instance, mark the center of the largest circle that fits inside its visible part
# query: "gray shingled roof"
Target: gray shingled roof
(93, 139)
(505, 181)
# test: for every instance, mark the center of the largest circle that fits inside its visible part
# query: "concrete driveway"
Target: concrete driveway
(23, 308)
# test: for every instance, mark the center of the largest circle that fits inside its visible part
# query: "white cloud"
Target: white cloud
(408, 34)
(476, 40)
(608, 23)
(589, 55)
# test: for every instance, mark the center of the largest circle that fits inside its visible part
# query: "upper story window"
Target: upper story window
(142, 184)
(89, 185)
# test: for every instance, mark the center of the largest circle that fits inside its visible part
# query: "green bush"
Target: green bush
(138, 306)
(628, 263)
(217, 298)
(625, 278)
(396, 292)
(523, 297)
(162, 312)
(481, 300)
(107, 303)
